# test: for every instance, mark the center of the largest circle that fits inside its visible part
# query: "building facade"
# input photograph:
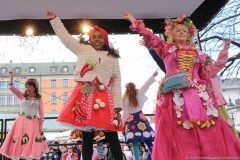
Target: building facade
(55, 84)
(231, 92)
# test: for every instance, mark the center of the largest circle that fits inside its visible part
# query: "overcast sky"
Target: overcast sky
(136, 63)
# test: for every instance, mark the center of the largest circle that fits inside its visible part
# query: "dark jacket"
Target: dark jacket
(157, 59)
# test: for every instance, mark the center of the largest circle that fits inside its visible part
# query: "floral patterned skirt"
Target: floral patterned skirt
(89, 108)
(137, 127)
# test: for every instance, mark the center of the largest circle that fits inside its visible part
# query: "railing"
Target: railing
(3, 131)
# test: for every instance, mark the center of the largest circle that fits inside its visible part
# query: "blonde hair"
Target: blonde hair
(189, 37)
(131, 94)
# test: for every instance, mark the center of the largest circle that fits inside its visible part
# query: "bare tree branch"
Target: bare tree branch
(218, 23)
(231, 60)
(217, 37)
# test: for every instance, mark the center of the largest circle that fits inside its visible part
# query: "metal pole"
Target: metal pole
(198, 41)
(1, 120)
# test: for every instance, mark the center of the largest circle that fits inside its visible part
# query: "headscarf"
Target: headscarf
(104, 33)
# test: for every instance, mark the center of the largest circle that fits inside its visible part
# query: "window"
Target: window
(53, 69)
(17, 70)
(53, 83)
(31, 69)
(9, 99)
(2, 84)
(3, 71)
(8, 86)
(53, 98)
(16, 84)
(65, 97)
(65, 69)
(54, 112)
(16, 100)
(2, 100)
(65, 83)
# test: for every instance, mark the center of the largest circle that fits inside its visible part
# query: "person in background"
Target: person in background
(154, 55)
(62, 148)
(75, 149)
(95, 102)
(160, 63)
(127, 153)
(136, 125)
(106, 150)
(213, 69)
(56, 150)
(69, 155)
(48, 155)
(26, 139)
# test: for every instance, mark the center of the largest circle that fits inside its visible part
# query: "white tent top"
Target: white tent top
(200, 11)
(96, 9)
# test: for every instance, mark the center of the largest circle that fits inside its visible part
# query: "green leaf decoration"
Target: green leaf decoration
(86, 89)
(74, 108)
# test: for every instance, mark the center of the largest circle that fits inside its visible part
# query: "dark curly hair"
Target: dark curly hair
(111, 51)
(34, 83)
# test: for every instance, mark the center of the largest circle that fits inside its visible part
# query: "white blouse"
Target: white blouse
(141, 98)
(105, 69)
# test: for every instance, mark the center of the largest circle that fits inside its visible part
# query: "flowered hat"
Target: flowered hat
(171, 23)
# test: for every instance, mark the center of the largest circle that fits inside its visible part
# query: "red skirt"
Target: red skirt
(79, 111)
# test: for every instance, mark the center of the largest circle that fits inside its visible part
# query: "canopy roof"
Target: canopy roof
(15, 15)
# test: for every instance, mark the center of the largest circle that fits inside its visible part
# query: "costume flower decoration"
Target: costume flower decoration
(186, 125)
(171, 23)
(133, 127)
(211, 111)
(75, 134)
(178, 111)
(172, 49)
(141, 126)
(194, 83)
(201, 88)
(130, 118)
(208, 103)
(142, 116)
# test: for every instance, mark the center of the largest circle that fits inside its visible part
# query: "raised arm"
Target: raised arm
(153, 41)
(221, 60)
(155, 56)
(71, 43)
(142, 98)
(18, 93)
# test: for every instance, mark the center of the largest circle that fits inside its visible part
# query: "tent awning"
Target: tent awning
(15, 15)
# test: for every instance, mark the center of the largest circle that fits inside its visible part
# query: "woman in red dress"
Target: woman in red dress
(95, 102)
